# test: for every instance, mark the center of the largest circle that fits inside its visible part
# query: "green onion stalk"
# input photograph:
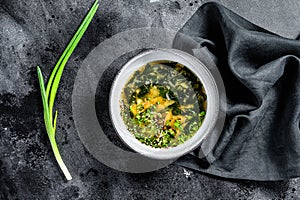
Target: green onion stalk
(49, 93)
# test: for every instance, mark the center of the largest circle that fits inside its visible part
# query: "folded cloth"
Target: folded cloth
(261, 74)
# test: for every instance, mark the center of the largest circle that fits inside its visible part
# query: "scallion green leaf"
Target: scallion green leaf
(49, 94)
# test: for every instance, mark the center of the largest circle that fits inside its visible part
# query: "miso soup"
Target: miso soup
(163, 104)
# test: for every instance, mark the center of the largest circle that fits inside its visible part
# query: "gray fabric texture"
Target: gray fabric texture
(261, 73)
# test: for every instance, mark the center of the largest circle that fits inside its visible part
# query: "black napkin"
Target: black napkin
(261, 74)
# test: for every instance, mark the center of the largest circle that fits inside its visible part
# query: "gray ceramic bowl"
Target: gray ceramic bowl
(198, 68)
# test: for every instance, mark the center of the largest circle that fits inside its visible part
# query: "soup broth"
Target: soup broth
(163, 104)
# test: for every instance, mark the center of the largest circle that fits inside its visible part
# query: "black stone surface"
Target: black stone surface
(36, 32)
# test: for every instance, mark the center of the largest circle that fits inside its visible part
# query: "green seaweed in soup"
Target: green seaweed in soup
(163, 104)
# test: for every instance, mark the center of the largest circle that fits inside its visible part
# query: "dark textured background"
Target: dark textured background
(35, 32)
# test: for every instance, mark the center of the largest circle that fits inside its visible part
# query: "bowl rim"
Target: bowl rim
(193, 64)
